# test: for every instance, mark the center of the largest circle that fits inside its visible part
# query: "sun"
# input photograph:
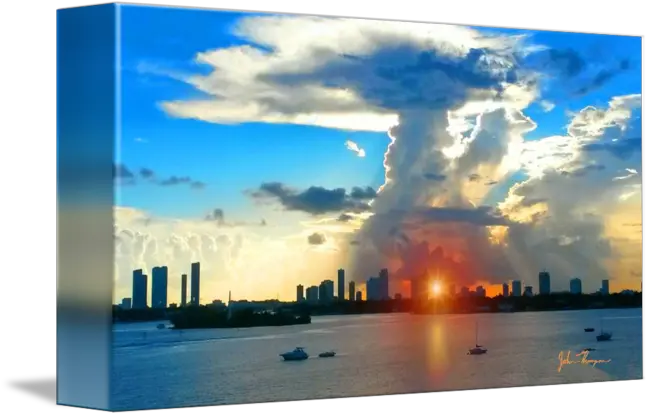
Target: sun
(436, 288)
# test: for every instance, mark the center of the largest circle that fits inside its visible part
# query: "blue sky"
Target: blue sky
(233, 158)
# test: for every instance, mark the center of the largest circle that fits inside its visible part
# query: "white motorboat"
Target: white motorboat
(298, 354)
(478, 350)
(328, 354)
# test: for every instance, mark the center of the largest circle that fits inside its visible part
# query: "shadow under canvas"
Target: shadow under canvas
(42, 388)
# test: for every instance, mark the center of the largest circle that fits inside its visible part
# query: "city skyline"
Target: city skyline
(463, 170)
(324, 292)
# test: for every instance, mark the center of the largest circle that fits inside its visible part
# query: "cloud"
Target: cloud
(452, 100)
(547, 105)
(604, 76)
(120, 171)
(352, 146)
(141, 140)
(181, 180)
(316, 238)
(315, 200)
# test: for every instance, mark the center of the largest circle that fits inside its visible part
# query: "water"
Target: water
(376, 355)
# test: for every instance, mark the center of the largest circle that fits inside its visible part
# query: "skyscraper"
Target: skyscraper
(528, 291)
(139, 290)
(373, 289)
(160, 287)
(341, 282)
(544, 283)
(184, 282)
(351, 294)
(383, 284)
(516, 288)
(605, 287)
(359, 296)
(126, 303)
(505, 290)
(312, 294)
(195, 284)
(299, 293)
(575, 286)
(326, 291)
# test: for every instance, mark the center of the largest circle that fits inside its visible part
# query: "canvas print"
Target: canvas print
(317, 207)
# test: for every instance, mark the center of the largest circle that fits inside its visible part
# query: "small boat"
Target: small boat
(328, 354)
(589, 329)
(298, 354)
(603, 336)
(161, 326)
(478, 350)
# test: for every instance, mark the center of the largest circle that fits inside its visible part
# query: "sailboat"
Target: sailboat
(603, 336)
(478, 350)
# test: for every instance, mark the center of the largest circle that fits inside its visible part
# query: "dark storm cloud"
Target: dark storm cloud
(316, 239)
(344, 218)
(314, 200)
(622, 149)
(197, 185)
(367, 193)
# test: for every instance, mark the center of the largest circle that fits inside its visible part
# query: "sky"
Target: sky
(275, 149)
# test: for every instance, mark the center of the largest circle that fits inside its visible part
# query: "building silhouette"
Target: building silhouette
(341, 284)
(195, 284)
(139, 290)
(299, 293)
(516, 288)
(419, 289)
(126, 303)
(481, 292)
(351, 292)
(605, 287)
(383, 284)
(528, 291)
(160, 287)
(359, 296)
(326, 291)
(505, 290)
(451, 290)
(576, 286)
(312, 294)
(372, 289)
(543, 283)
(184, 283)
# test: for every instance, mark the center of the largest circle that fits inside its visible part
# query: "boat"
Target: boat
(298, 354)
(327, 354)
(478, 350)
(589, 329)
(603, 336)
(161, 326)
